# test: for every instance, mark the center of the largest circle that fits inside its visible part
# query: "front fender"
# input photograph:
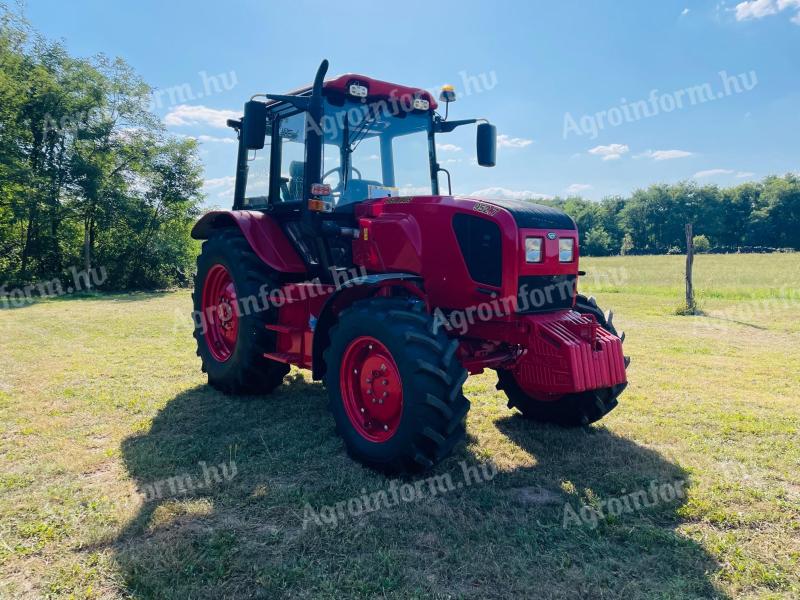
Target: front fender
(355, 289)
(261, 231)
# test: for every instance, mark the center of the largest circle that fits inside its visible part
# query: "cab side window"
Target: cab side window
(292, 137)
(257, 195)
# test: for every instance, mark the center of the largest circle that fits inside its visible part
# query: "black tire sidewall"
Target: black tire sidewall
(215, 251)
(380, 329)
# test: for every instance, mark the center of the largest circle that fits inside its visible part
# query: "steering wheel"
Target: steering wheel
(339, 169)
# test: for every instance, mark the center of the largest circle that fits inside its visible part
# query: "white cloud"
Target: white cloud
(684, 12)
(610, 152)
(219, 181)
(665, 154)
(577, 188)
(505, 141)
(711, 173)
(501, 193)
(755, 9)
(411, 190)
(221, 187)
(186, 114)
(758, 9)
(214, 139)
(448, 148)
(744, 175)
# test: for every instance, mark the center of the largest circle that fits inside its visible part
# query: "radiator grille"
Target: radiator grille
(542, 293)
(479, 240)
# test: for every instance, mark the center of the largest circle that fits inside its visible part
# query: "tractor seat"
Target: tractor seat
(296, 172)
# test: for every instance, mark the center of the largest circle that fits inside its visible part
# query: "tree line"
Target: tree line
(757, 216)
(89, 178)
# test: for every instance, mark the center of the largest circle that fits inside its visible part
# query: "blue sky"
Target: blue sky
(570, 85)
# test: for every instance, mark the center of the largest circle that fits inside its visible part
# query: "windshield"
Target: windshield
(368, 152)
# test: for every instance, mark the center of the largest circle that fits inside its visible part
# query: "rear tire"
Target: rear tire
(422, 427)
(235, 362)
(571, 410)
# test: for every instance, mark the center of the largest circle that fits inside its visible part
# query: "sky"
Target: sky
(590, 98)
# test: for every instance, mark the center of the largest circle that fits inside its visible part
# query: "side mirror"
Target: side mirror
(254, 126)
(487, 144)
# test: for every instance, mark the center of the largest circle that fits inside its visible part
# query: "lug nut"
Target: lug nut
(386, 428)
(362, 410)
(385, 382)
(383, 367)
(385, 394)
(369, 379)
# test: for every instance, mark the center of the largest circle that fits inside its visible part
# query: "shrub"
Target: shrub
(701, 244)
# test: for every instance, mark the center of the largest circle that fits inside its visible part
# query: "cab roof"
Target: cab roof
(377, 89)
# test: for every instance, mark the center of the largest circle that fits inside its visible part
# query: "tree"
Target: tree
(627, 245)
(87, 175)
(597, 242)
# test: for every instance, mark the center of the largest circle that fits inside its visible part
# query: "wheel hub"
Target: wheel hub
(220, 313)
(371, 388)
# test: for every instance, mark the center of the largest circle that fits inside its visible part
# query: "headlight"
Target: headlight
(533, 249)
(421, 104)
(566, 248)
(359, 91)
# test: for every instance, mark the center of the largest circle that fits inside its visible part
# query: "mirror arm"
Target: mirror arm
(299, 102)
(449, 183)
(448, 126)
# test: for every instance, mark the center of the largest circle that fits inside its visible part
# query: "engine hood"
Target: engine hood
(534, 216)
(527, 215)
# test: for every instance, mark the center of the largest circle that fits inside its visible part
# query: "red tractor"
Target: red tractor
(342, 256)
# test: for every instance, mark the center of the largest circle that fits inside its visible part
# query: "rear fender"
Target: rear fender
(353, 290)
(262, 233)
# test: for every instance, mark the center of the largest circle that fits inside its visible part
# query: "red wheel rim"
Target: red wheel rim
(220, 313)
(371, 388)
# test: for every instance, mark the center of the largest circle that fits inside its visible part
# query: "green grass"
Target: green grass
(101, 396)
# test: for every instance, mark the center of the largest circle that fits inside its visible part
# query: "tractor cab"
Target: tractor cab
(308, 157)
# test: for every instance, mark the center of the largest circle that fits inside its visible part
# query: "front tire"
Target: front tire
(394, 385)
(231, 316)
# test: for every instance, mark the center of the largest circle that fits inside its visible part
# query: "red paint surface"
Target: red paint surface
(415, 235)
(371, 389)
(380, 89)
(261, 231)
(568, 352)
(301, 302)
(221, 312)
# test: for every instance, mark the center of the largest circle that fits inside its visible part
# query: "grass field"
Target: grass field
(103, 397)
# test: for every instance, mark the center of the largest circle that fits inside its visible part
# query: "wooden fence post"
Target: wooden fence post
(690, 305)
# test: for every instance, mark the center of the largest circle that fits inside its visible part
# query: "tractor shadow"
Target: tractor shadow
(241, 529)
(634, 545)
